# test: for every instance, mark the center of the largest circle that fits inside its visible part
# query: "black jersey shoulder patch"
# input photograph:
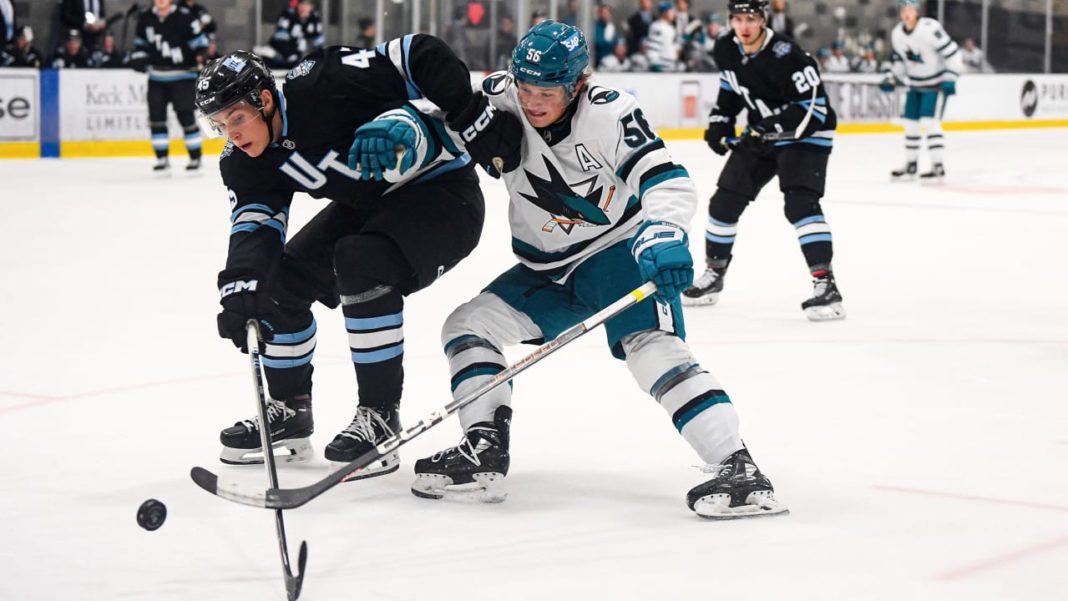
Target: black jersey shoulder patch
(599, 95)
(495, 84)
(301, 70)
(781, 49)
(227, 150)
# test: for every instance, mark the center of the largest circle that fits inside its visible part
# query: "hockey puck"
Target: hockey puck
(151, 514)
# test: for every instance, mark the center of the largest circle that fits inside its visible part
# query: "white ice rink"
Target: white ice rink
(921, 444)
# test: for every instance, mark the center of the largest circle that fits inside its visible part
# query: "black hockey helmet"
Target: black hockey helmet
(238, 76)
(748, 6)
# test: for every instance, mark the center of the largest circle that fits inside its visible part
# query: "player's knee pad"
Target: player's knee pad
(727, 206)
(488, 318)
(367, 262)
(912, 127)
(801, 203)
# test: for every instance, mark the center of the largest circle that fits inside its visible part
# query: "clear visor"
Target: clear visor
(218, 123)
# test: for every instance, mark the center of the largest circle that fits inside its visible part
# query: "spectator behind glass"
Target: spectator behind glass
(506, 40)
(837, 61)
(638, 26)
(21, 53)
(538, 16)
(298, 32)
(662, 45)
(368, 31)
(604, 34)
(106, 56)
(683, 20)
(87, 16)
(780, 22)
(974, 59)
(8, 29)
(571, 17)
(704, 42)
(867, 62)
(617, 62)
(71, 54)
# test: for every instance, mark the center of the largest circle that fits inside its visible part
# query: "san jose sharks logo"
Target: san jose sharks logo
(913, 56)
(568, 207)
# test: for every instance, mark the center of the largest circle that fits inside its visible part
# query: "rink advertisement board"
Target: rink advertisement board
(72, 113)
(20, 112)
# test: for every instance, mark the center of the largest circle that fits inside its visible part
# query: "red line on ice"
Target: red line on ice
(960, 497)
(1001, 560)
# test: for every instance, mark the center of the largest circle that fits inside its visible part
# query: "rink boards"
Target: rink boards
(83, 113)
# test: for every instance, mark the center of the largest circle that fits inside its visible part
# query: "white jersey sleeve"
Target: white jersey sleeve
(591, 186)
(925, 56)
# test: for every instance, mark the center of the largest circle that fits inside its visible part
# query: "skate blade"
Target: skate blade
(387, 465)
(700, 301)
(760, 503)
(295, 450)
(487, 487)
(826, 312)
(902, 178)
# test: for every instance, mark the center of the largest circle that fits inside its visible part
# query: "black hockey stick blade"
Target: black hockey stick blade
(294, 583)
(230, 491)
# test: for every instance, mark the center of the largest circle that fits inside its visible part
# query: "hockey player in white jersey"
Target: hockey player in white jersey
(597, 208)
(926, 60)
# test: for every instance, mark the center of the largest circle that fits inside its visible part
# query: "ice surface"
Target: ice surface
(921, 444)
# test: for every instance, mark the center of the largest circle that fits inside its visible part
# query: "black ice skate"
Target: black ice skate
(908, 172)
(937, 172)
(162, 166)
(705, 289)
(193, 165)
(369, 428)
(826, 301)
(736, 490)
(472, 470)
(291, 425)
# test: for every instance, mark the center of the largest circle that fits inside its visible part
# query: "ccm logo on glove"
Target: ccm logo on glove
(479, 125)
(238, 286)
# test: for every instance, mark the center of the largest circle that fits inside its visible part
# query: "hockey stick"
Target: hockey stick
(293, 583)
(289, 498)
(775, 136)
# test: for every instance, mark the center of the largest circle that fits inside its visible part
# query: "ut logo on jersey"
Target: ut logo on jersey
(314, 177)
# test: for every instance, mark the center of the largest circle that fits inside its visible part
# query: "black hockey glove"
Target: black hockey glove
(720, 131)
(751, 140)
(490, 134)
(240, 303)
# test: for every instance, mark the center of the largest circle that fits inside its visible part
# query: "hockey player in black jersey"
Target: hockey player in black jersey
(372, 131)
(789, 134)
(168, 40)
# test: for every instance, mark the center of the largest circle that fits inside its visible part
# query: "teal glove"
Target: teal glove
(949, 88)
(663, 255)
(376, 146)
(887, 85)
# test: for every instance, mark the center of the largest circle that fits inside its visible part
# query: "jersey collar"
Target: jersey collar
(768, 34)
(283, 140)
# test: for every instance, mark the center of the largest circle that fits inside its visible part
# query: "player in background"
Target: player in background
(597, 208)
(366, 129)
(926, 60)
(778, 85)
(168, 40)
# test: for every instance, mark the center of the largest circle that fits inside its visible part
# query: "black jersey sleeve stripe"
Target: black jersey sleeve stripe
(628, 165)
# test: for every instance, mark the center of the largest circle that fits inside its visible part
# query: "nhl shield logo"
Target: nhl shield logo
(781, 49)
